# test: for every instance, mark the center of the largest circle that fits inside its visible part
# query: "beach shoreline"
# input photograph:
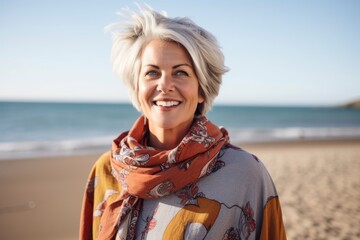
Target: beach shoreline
(317, 181)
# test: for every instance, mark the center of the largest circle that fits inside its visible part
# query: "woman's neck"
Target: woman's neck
(166, 139)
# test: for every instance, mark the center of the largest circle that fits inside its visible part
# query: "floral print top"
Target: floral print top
(237, 201)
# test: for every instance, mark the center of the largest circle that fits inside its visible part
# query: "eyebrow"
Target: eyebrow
(176, 66)
(184, 64)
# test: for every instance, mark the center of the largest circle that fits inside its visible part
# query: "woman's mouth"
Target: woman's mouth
(166, 103)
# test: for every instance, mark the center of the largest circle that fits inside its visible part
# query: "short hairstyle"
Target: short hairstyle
(130, 37)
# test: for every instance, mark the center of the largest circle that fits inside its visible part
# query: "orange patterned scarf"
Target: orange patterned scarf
(145, 172)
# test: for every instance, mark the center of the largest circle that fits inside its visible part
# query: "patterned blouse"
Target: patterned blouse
(237, 201)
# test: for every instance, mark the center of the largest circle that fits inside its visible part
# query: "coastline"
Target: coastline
(317, 181)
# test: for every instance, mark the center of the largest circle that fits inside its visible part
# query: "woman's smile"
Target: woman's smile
(166, 103)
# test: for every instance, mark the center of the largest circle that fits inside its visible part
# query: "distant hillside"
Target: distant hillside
(353, 104)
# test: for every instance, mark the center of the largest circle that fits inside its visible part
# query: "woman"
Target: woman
(175, 175)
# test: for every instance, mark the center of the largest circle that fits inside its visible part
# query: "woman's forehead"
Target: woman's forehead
(165, 53)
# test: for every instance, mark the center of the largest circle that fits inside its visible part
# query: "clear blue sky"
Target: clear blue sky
(279, 52)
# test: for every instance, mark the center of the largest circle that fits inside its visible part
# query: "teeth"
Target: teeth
(167, 103)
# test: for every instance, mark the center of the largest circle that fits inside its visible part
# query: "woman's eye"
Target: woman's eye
(151, 74)
(181, 73)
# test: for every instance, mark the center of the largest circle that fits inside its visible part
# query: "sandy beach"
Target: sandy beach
(318, 183)
(319, 186)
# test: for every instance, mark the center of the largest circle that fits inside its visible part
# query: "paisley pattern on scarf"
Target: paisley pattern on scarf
(144, 172)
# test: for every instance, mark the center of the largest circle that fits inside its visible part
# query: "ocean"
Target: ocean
(30, 129)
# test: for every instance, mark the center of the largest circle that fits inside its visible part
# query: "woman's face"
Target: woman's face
(168, 89)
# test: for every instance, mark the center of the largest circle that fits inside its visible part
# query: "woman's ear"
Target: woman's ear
(201, 95)
(201, 99)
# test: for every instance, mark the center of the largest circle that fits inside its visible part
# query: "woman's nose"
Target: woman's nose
(166, 83)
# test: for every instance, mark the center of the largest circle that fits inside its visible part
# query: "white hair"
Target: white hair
(131, 36)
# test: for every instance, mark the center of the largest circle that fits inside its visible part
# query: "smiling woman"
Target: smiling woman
(175, 174)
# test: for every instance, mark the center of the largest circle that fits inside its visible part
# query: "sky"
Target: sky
(300, 52)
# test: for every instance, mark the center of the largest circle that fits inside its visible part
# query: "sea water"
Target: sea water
(30, 129)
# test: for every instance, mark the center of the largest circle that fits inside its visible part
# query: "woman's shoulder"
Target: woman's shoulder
(246, 167)
(102, 177)
(102, 167)
(103, 160)
(236, 155)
